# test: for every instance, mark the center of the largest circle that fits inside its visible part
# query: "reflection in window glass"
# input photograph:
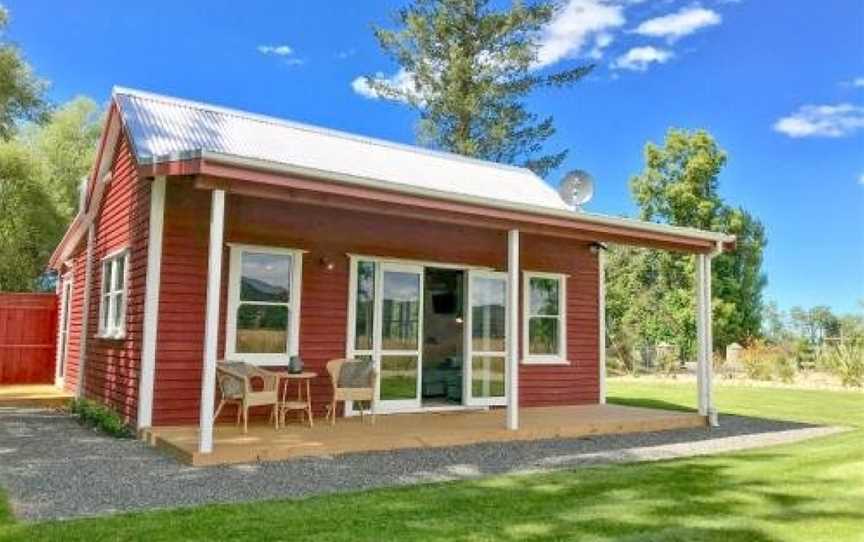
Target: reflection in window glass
(488, 296)
(262, 329)
(544, 296)
(544, 316)
(543, 336)
(398, 377)
(265, 277)
(400, 319)
(365, 305)
(264, 312)
(487, 376)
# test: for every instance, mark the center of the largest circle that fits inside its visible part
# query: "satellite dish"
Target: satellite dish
(576, 189)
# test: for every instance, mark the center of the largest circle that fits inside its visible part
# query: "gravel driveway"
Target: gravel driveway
(52, 468)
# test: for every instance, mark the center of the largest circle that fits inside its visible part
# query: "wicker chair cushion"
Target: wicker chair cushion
(356, 374)
(231, 385)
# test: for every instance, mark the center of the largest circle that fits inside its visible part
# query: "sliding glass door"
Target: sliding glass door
(485, 341)
(398, 312)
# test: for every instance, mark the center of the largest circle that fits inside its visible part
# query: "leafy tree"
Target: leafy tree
(679, 186)
(815, 324)
(29, 224)
(64, 147)
(468, 68)
(40, 171)
(21, 92)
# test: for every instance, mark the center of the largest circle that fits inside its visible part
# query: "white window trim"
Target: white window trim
(234, 302)
(106, 329)
(545, 359)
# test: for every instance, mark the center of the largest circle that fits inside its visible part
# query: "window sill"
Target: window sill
(549, 361)
(261, 360)
(111, 336)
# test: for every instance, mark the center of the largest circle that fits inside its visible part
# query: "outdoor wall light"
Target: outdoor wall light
(327, 263)
(597, 247)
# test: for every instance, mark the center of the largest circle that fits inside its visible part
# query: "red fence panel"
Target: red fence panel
(28, 335)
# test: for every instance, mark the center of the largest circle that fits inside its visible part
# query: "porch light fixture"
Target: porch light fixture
(327, 263)
(597, 247)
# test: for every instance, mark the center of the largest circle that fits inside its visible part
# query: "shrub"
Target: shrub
(764, 362)
(847, 362)
(667, 362)
(785, 367)
(100, 417)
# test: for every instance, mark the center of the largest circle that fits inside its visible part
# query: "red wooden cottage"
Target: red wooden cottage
(209, 233)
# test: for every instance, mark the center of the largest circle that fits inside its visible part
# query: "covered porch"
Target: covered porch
(402, 431)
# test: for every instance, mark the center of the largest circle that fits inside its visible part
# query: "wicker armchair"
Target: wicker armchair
(234, 379)
(360, 394)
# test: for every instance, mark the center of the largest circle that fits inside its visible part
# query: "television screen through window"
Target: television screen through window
(444, 303)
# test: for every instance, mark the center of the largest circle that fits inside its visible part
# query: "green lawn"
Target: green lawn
(808, 491)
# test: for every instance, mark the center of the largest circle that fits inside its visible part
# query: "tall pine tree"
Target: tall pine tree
(467, 68)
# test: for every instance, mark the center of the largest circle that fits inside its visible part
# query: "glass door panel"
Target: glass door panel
(399, 309)
(485, 375)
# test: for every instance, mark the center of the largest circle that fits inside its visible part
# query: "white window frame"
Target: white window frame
(559, 358)
(234, 272)
(108, 329)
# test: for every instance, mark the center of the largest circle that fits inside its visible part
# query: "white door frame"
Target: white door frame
(350, 337)
(378, 347)
(63, 326)
(468, 350)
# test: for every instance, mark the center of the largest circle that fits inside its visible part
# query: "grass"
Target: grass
(813, 490)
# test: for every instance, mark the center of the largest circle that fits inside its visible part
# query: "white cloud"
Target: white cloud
(601, 41)
(278, 50)
(861, 179)
(677, 25)
(348, 53)
(284, 52)
(639, 58)
(574, 27)
(402, 80)
(858, 82)
(840, 120)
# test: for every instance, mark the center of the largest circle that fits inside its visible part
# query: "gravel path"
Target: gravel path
(52, 468)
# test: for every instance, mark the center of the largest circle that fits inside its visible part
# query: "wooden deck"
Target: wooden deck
(33, 395)
(396, 431)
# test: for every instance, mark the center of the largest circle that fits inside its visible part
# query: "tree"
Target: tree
(467, 69)
(679, 186)
(29, 224)
(64, 147)
(40, 172)
(21, 92)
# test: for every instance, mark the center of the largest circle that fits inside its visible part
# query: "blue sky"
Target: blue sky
(780, 84)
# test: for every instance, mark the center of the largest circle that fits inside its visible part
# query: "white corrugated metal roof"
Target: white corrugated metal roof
(163, 128)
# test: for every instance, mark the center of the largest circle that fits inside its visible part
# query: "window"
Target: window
(263, 305)
(112, 310)
(544, 330)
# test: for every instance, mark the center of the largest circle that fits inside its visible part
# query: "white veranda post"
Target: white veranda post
(211, 321)
(601, 319)
(512, 330)
(704, 337)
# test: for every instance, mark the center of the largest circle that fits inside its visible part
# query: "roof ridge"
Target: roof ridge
(269, 119)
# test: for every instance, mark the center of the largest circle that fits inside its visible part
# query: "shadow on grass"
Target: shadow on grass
(730, 498)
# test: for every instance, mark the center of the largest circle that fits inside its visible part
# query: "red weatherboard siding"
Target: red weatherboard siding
(112, 365)
(76, 311)
(328, 233)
